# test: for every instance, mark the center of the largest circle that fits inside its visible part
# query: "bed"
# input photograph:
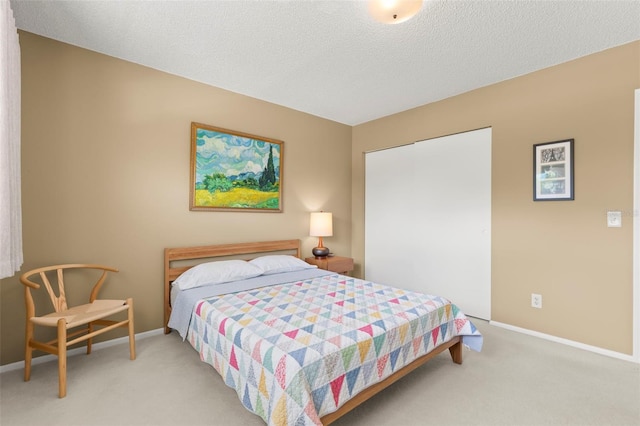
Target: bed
(301, 345)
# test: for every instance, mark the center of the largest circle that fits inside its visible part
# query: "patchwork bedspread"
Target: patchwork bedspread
(297, 351)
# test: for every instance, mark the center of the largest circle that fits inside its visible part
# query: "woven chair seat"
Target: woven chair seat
(82, 314)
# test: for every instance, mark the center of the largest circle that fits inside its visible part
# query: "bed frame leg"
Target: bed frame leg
(456, 352)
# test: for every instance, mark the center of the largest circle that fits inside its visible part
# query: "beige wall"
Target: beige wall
(105, 169)
(105, 149)
(562, 250)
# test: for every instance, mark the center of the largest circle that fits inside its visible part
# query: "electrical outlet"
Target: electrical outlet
(536, 301)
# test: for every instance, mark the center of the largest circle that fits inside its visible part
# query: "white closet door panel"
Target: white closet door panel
(389, 215)
(453, 174)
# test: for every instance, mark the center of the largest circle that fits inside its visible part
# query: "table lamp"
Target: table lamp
(321, 225)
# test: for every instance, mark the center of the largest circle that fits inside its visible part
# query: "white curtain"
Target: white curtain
(10, 204)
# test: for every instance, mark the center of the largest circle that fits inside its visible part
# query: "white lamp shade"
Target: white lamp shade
(321, 224)
(394, 11)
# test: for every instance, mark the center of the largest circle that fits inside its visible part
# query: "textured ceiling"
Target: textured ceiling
(329, 58)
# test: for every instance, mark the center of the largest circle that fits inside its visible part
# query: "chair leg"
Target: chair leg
(132, 336)
(89, 331)
(28, 351)
(62, 358)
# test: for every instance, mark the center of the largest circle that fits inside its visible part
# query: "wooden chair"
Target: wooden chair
(86, 316)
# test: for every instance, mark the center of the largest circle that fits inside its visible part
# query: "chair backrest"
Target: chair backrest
(60, 300)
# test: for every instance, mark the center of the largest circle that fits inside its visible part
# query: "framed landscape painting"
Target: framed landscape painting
(233, 171)
(553, 171)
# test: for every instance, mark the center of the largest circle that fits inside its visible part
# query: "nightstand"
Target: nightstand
(341, 265)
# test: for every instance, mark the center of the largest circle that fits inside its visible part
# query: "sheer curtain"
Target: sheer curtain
(10, 205)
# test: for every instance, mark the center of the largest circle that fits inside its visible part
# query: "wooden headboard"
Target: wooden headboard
(175, 259)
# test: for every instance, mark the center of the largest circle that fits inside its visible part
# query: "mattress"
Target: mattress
(299, 348)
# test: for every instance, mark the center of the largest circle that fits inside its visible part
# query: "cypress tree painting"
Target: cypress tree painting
(233, 171)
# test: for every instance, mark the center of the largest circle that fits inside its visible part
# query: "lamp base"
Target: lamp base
(320, 251)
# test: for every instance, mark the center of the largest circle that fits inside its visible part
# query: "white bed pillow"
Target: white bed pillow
(275, 264)
(222, 271)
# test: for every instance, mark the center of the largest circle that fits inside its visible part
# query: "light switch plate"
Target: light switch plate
(614, 219)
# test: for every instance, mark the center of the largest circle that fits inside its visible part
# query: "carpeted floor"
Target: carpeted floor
(516, 380)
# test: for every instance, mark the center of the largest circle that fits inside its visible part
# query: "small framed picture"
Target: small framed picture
(553, 171)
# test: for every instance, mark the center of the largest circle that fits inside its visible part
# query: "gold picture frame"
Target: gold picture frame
(234, 171)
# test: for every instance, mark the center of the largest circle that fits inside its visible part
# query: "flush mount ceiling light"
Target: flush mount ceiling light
(394, 11)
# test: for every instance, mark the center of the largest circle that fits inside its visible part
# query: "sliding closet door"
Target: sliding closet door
(389, 215)
(428, 218)
(454, 224)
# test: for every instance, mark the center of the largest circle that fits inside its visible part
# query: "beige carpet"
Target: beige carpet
(516, 380)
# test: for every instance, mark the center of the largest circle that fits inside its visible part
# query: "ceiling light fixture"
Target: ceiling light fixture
(394, 11)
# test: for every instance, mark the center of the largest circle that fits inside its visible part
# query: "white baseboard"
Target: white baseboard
(567, 342)
(81, 350)
(97, 346)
